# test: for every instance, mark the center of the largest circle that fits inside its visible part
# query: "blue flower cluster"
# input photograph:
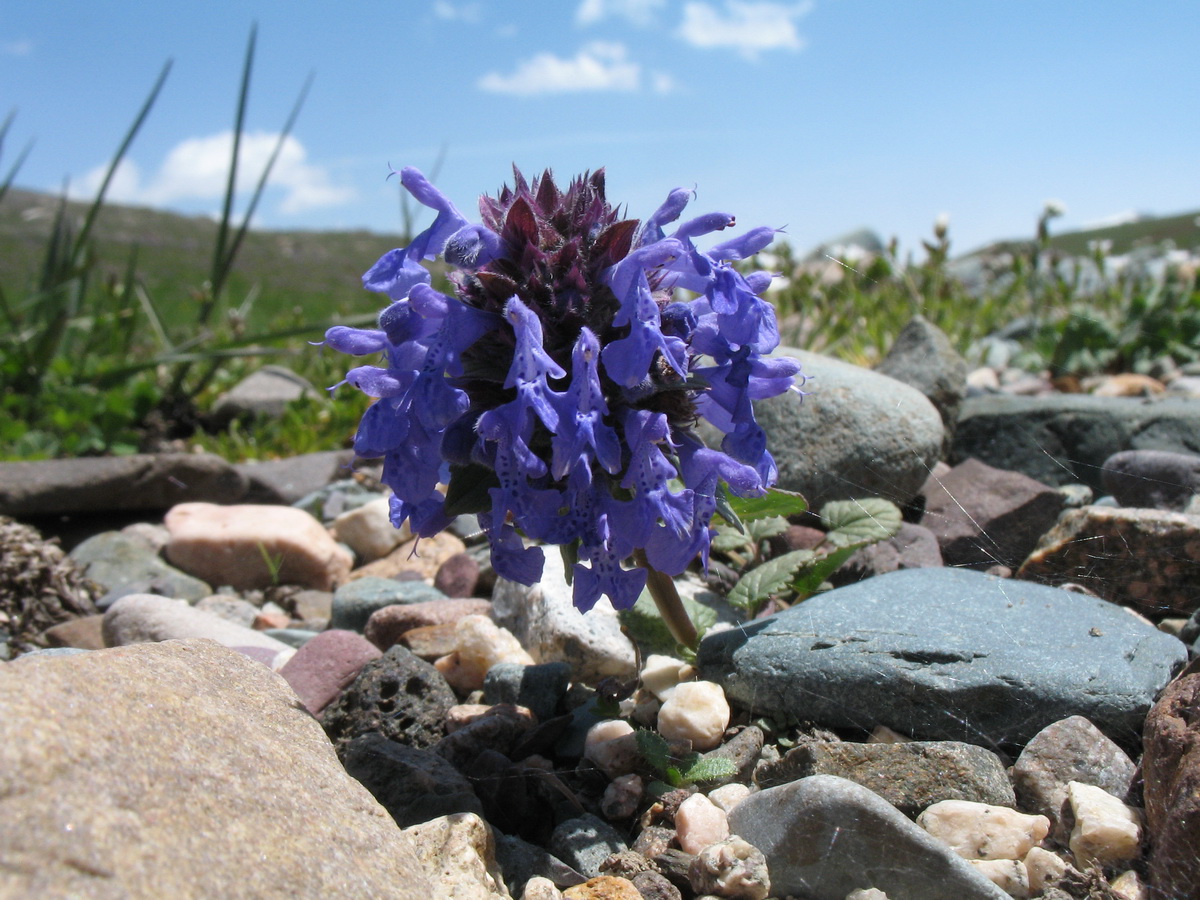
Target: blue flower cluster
(557, 393)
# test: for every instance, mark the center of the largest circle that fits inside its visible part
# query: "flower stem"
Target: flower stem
(666, 598)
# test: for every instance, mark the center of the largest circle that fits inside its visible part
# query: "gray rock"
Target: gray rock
(412, 784)
(923, 357)
(231, 609)
(1063, 438)
(109, 483)
(293, 637)
(947, 654)
(585, 842)
(330, 501)
(1071, 750)
(856, 434)
(1152, 478)
(139, 618)
(289, 480)
(824, 837)
(538, 688)
(398, 695)
(983, 516)
(355, 601)
(264, 393)
(910, 776)
(521, 860)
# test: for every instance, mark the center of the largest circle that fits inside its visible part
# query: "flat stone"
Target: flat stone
(108, 483)
(122, 564)
(325, 665)
(1147, 559)
(265, 392)
(388, 625)
(289, 480)
(1063, 438)
(141, 618)
(911, 776)
(824, 837)
(250, 546)
(947, 654)
(112, 759)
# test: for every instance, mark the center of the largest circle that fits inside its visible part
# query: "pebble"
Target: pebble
(660, 674)
(479, 645)
(388, 625)
(730, 868)
(727, 796)
(356, 601)
(325, 665)
(622, 796)
(1010, 875)
(698, 823)
(85, 633)
(1106, 831)
(696, 711)
(982, 831)
(460, 853)
(539, 687)
(612, 746)
(421, 558)
(251, 546)
(1152, 478)
(457, 576)
(585, 842)
(539, 888)
(231, 609)
(368, 530)
(603, 887)
(139, 618)
(1043, 869)
(123, 564)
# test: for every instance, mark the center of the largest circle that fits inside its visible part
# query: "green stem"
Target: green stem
(666, 598)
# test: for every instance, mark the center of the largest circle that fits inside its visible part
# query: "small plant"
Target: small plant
(691, 769)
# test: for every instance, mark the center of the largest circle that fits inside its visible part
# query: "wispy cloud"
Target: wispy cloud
(22, 47)
(458, 12)
(639, 12)
(598, 66)
(197, 169)
(746, 26)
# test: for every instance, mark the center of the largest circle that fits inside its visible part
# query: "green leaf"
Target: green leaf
(648, 630)
(857, 522)
(813, 575)
(709, 769)
(774, 503)
(467, 491)
(654, 750)
(730, 540)
(761, 529)
(756, 586)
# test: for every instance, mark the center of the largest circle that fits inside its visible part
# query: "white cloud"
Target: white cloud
(198, 168)
(464, 12)
(23, 47)
(599, 66)
(746, 26)
(639, 12)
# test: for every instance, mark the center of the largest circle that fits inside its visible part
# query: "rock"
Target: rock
(743, 750)
(824, 837)
(422, 557)
(730, 868)
(947, 654)
(368, 530)
(457, 576)
(356, 601)
(540, 688)
(293, 637)
(105, 802)
(522, 861)
(911, 776)
(923, 357)
(1071, 750)
(1152, 478)
(431, 642)
(84, 633)
(544, 620)
(250, 546)
(231, 609)
(398, 695)
(1171, 776)
(499, 729)
(264, 393)
(585, 842)
(1064, 438)
(479, 644)
(325, 665)
(612, 746)
(622, 797)
(387, 625)
(982, 516)
(1010, 875)
(696, 711)
(604, 887)
(539, 888)
(856, 434)
(286, 481)
(698, 823)
(661, 674)
(142, 618)
(1124, 384)
(330, 501)
(459, 852)
(1044, 869)
(912, 547)
(413, 785)
(982, 831)
(1147, 559)
(1106, 831)
(313, 606)
(654, 886)
(108, 483)
(122, 565)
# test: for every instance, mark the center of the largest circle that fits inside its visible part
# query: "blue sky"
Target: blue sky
(821, 115)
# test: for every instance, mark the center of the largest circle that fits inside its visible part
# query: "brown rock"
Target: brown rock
(1171, 776)
(250, 546)
(386, 626)
(83, 633)
(325, 665)
(604, 887)
(181, 769)
(457, 576)
(429, 554)
(431, 642)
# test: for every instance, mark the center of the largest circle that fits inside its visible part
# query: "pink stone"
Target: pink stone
(325, 665)
(386, 626)
(250, 546)
(700, 822)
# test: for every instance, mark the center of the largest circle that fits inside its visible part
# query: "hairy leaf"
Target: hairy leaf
(757, 585)
(858, 522)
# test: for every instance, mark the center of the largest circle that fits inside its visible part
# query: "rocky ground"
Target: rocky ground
(257, 687)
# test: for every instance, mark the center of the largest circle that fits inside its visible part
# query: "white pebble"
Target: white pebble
(1010, 875)
(727, 796)
(1044, 868)
(1106, 830)
(661, 674)
(539, 888)
(479, 644)
(700, 822)
(867, 894)
(980, 831)
(612, 746)
(731, 868)
(368, 530)
(1129, 886)
(696, 711)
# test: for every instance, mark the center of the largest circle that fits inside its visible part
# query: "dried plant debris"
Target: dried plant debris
(40, 586)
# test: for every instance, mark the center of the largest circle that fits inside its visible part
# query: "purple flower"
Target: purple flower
(556, 392)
